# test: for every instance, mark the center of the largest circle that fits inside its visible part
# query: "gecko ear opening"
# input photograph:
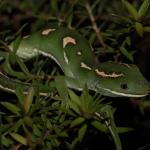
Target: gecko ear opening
(124, 86)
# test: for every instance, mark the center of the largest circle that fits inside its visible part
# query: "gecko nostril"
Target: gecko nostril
(124, 86)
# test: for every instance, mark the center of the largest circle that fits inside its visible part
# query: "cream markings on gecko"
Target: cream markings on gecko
(79, 53)
(110, 75)
(67, 40)
(83, 65)
(47, 31)
(66, 58)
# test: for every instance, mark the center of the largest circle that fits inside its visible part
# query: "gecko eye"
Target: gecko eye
(124, 86)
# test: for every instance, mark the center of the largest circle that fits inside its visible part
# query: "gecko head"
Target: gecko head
(121, 80)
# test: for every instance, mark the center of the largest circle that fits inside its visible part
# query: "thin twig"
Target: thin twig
(95, 28)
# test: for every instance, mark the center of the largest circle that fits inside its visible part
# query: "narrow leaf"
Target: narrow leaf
(19, 138)
(20, 95)
(28, 100)
(61, 87)
(82, 132)
(100, 126)
(126, 53)
(11, 107)
(77, 121)
(131, 9)
(9, 70)
(22, 66)
(109, 112)
(124, 129)
(146, 29)
(139, 28)
(16, 44)
(144, 8)
(63, 134)
(74, 106)
(36, 130)
(15, 127)
(6, 141)
(74, 97)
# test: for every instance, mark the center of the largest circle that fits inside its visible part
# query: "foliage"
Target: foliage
(31, 121)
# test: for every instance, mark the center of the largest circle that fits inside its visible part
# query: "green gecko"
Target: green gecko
(72, 52)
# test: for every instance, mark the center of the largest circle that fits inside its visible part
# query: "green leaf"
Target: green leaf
(15, 127)
(124, 129)
(77, 121)
(61, 87)
(11, 107)
(20, 95)
(6, 141)
(9, 70)
(100, 126)
(85, 93)
(16, 44)
(74, 102)
(126, 53)
(36, 130)
(82, 132)
(146, 29)
(139, 28)
(49, 124)
(55, 142)
(131, 9)
(28, 100)
(128, 40)
(74, 106)
(144, 8)
(63, 134)
(74, 97)
(19, 138)
(108, 110)
(22, 66)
